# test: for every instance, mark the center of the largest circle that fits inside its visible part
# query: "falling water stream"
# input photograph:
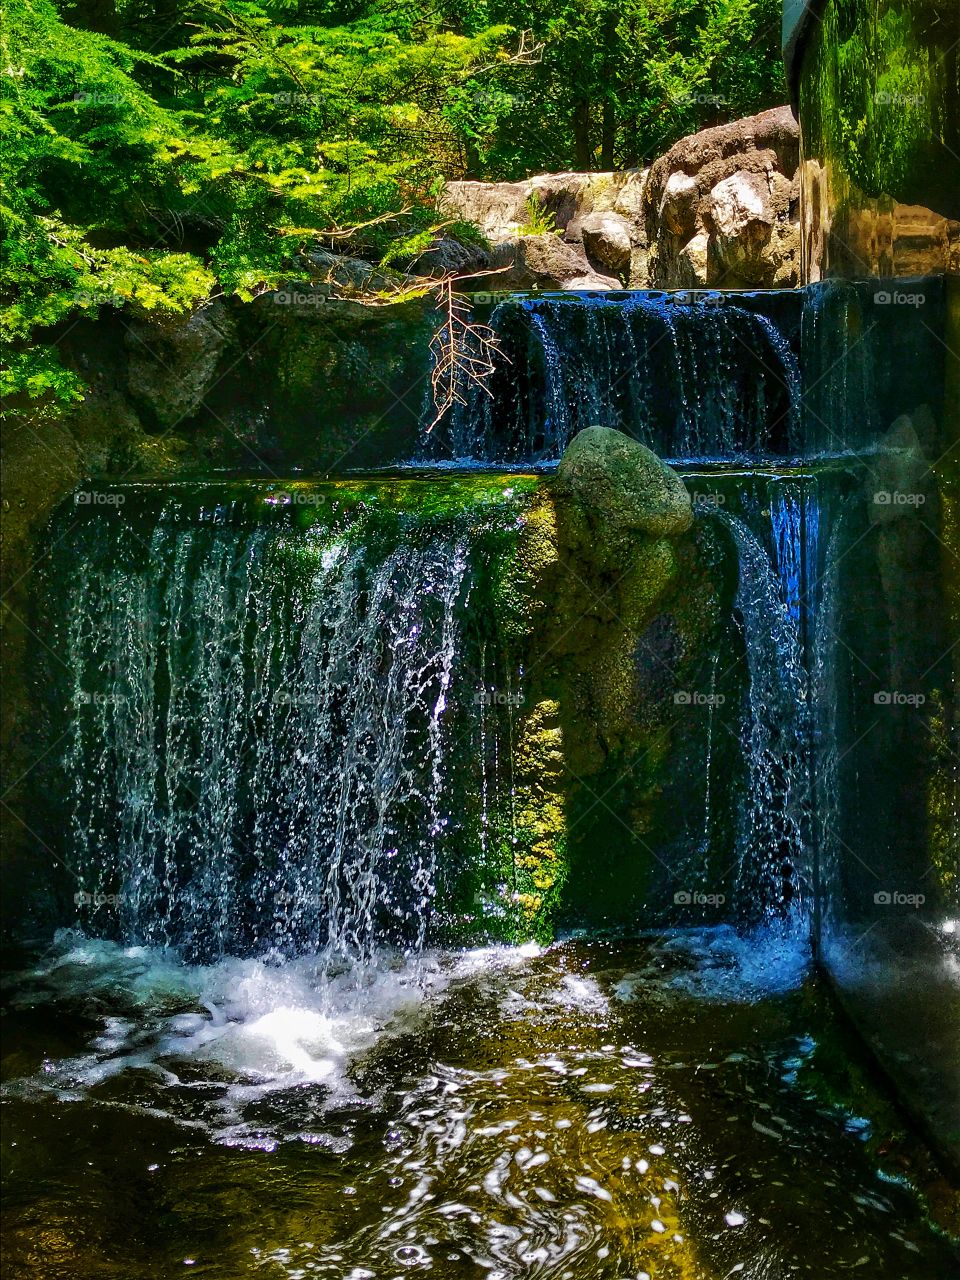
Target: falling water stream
(262, 764)
(774, 732)
(689, 375)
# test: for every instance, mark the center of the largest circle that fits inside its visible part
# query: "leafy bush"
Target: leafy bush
(539, 220)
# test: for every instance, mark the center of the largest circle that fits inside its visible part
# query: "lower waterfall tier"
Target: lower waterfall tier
(323, 716)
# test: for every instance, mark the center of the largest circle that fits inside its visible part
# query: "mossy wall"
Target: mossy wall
(879, 106)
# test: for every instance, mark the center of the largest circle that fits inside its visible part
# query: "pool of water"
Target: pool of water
(678, 1107)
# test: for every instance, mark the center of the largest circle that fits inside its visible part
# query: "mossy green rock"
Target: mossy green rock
(617, 602)
(618, 489)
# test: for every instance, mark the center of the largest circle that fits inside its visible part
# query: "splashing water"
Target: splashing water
(772, 816)
(592, 1111)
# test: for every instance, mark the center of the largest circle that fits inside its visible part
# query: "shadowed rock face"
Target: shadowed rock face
(720, 209)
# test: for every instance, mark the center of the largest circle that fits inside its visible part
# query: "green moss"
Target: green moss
(538, 841)
(595, 755)
(871, 95)
(878, 103)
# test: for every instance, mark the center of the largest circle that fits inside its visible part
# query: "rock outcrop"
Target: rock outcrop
(720, 209)
(171, 363)
(599, 241)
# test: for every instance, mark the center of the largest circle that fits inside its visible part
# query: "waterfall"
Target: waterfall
(772, 817)
(687, 375)
(786, 519)
(259, 727)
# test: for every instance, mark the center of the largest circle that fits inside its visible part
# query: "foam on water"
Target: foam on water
(239, 1029)
(235, 1032)
(597, 1109)
(720, 964)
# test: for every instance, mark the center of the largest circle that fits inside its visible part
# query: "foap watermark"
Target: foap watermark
(896, 898)
(98, 498)
(284, 698)
(97, 98)
(896, 498)
(693, 698)
(502, 101)
(884, 98)
(485, 296)
(298, 99)
(694, 898)
(284, 898)
(688, 98)
(898, 298)
(93, 298)
(96, 900)
(896, 698)
(694, 297)
(296, 498)
(708, 501)
(296, 298)
(497, 698)
(84, 698)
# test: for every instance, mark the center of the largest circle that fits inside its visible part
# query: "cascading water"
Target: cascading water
(825, 736)
(259, 729)
(688, 375)
(773, 816)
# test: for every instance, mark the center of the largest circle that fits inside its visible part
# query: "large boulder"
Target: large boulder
(621, 592)
(544, 262)
(448, 256)
(722, 206)
(621, 489)
(606, 239)
(741, 219)
(693, 262)
(678, 204)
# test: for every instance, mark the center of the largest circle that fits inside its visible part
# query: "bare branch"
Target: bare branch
(528, 53)
(464, 354)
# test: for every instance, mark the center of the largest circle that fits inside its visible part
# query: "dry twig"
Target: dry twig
(464, 354)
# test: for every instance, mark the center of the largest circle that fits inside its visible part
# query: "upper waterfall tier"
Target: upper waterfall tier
(690, 375)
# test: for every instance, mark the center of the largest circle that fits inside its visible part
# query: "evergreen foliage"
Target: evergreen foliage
(156, 153)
